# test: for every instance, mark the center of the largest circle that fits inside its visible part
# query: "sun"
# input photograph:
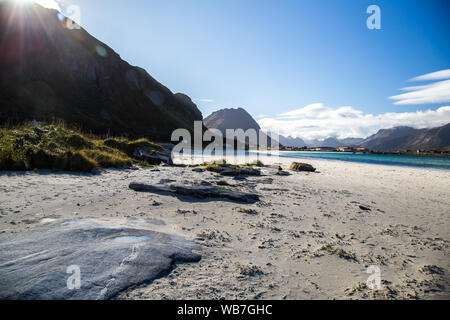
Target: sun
(50, 4)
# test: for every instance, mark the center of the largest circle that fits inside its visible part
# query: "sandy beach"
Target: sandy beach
(311, 235)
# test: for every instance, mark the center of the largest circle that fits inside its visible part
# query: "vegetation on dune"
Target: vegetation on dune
(341, 253)
(128, 147)
(257, 163)
(221, 165)
(58, 147)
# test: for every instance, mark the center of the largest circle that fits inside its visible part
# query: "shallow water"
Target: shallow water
(436, 162)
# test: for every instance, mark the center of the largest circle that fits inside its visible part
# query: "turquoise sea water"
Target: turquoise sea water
(436, 162)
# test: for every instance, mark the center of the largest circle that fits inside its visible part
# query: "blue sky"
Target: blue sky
(275, 57)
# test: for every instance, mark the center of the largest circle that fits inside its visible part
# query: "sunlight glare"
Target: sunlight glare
(50, 4)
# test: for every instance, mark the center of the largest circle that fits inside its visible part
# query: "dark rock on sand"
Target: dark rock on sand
(230, 171)
(240, 172)
(34, 265)
(152, 157)
(196, 191)
(297, 166)
(222, 183)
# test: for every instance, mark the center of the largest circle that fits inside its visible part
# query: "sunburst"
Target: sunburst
(50, 4)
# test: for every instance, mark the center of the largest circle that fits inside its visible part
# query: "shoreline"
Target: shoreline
(368, 163)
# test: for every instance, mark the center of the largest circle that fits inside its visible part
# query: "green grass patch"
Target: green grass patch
(58, 147)
(129, 147)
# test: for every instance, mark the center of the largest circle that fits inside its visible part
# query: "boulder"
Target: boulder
(196, 191)
(297, 166)
(40, 264)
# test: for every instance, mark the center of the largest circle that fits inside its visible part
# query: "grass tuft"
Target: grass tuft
(58, 147)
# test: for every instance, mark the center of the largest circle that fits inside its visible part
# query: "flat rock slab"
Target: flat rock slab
(34, 264)
(196, 191)
(240, 172)
(233, 172)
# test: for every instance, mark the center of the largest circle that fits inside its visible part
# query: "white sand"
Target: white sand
(275, 253)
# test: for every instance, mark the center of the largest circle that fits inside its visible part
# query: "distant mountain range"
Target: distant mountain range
(407, 138)
(51, 72)
(394, 139)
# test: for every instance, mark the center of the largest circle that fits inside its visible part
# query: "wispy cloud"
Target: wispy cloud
(438, 75)
(436, 92)
(317, 121)
(204, 100)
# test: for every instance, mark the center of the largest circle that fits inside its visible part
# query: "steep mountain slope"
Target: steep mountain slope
(351, 141)
(384, 139)
(50, 71)
(406, 138)
(231, 119)
(234, 119)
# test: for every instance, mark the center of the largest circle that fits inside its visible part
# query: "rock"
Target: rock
(282, 173)
(150, 156)
(364, 208)
(196, 191)
(222, 183)
(240, 172)
(166, 181)
(230, 171)
(38, 264)
(297, 166)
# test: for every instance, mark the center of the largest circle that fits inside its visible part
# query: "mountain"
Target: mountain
(50, 72)
(351, 141)
(406, 138)
(291, 142)
(383, 139)
(233, 119)
(333, 142)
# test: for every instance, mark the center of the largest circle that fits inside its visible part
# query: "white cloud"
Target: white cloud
(437, 92)
(438, 75)
(311, 110)
(317, 121)
(205, 100)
